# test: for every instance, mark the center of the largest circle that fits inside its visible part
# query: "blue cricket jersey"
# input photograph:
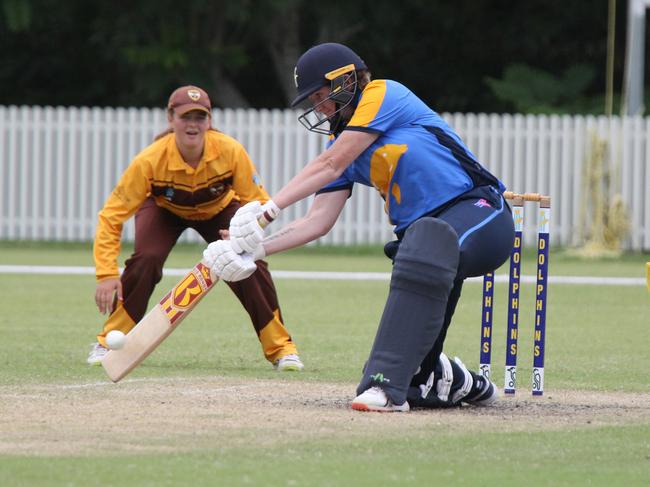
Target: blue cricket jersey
(417, 163)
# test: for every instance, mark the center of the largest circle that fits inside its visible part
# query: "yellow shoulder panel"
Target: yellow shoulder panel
(369, 105)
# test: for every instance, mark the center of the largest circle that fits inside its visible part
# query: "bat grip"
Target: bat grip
(263, 221)
(270, 212)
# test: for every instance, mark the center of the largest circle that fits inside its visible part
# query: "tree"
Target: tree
(457, 56)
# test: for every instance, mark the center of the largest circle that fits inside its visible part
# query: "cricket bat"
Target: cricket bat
(163, 319)
(159, 322)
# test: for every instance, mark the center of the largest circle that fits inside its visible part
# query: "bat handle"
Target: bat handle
(263, 221)
(270, 212)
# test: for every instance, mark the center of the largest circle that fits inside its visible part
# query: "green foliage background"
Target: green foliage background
(467, 56)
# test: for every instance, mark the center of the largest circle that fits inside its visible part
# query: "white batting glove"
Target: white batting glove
(210, 254)
(246, 233)
(228, 264)
(213, 250)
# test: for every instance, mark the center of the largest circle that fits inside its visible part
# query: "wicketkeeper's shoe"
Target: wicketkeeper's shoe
(97, 354)
(375, 399)
(484, 392)
(289, 363)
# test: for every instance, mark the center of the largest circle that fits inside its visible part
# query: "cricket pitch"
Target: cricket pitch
(183, 415)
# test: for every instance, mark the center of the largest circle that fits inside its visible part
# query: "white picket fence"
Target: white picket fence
(58, 165)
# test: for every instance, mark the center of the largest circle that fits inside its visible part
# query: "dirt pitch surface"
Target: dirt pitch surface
(181, 415)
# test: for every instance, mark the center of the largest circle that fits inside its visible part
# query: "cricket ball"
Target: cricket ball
(115, 339)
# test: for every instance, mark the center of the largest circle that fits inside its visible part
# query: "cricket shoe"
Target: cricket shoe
(375, 399)
(484, 392)
(97, 354)
(289, 363)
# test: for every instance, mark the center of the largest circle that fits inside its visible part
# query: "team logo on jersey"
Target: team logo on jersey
(217, 189)
(169, 194)
(194, 94)
(482, 203)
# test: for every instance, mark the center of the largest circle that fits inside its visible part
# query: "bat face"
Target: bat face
(187, 292)
(158, 323)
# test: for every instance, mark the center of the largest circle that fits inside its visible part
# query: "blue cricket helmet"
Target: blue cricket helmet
(322, 63)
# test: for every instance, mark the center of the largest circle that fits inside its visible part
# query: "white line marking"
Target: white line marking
(336, 276)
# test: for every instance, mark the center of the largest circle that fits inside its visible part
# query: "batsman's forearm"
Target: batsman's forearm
(326, 167)
(314, 176)
(297, 233)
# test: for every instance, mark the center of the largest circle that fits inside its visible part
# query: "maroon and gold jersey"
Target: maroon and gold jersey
(224, 173)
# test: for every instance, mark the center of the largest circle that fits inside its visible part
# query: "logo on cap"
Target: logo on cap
(295, 76)
(194, 94)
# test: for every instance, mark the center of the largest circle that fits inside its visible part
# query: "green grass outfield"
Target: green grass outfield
(597, 344)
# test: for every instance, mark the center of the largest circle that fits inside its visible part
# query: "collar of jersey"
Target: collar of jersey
(176, 162)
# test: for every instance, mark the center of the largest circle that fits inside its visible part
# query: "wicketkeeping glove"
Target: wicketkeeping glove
(246, 233)
(228, 264)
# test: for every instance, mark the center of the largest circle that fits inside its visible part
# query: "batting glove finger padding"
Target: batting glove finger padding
(210, 253)
(254, 207)
(228, 264)
(245, 231)
(246, 236)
